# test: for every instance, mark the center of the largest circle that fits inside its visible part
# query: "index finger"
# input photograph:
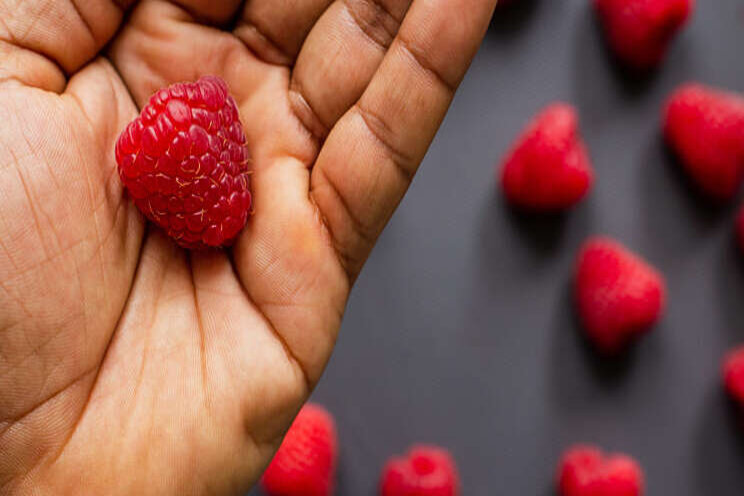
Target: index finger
(373, 152)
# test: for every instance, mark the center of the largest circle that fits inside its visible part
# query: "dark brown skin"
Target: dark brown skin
(127, 365)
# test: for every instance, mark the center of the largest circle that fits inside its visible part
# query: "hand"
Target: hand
(127, 365)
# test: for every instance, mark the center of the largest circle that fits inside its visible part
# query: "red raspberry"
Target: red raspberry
(305, 464)
(185, 163)
(733, 375)
(618, 295)
(740, 229)
(548, 168)
(705, 127)
(424, 471)
(586, 471)
(639, 31)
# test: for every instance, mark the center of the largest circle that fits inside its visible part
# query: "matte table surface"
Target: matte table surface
(460, 330)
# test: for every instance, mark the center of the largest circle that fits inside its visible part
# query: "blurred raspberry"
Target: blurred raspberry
(733, 375)
(424, 471)
(705, 128)
(548, 168)
(586, 471)
(640, 31)
(618, 294)
(305, 464)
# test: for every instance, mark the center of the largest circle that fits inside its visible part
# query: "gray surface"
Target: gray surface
(460, 330)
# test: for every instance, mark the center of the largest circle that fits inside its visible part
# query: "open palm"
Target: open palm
(128, 365)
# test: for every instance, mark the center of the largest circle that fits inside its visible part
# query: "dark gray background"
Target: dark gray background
(460, 330)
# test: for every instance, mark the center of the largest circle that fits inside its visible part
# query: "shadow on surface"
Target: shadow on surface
(730, 287)
(510, 19)
(576, 369)
(674, 211)
(707, 208)
(597, 69)
(631, 81)
(543, 232)
(719, 448)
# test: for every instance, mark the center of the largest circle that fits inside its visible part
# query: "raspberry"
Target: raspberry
(424, 471)
(305, 464)
(586, 471)
(640, 31)
(705, 127)
(733, 375)
(618, 295)
(185, 163)
(548, 168)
